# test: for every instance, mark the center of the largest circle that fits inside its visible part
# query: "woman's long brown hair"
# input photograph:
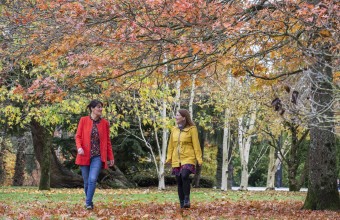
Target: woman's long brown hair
(186, 114)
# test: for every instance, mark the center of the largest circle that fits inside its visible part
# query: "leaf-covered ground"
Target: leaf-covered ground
(30, 203)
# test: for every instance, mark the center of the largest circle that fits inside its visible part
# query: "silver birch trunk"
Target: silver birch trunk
(147, 144)
(159, 165)
(161, 178)
(275, 163)
(244, 141)
(162, 151)
(271, 170)
(178, 96)
(192, 94)
(225, 146)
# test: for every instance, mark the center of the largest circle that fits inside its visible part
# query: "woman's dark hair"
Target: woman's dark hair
(186, 114)
(93, 104)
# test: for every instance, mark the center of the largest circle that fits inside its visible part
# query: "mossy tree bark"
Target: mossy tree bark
(20, 161)
(2, 161)
(219, 157)
(53, 173)
(42, 142)
(322, 189)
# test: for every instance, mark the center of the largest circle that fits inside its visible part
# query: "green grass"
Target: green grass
(141, 195)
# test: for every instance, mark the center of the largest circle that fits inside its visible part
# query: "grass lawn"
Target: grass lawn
(150, 203)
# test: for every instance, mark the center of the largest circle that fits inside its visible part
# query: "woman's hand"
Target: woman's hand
(80, 151)
(111, 163)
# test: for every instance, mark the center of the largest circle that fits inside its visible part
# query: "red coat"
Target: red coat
(83, 139)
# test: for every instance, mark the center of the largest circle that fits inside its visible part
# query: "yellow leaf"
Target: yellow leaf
(325, 33)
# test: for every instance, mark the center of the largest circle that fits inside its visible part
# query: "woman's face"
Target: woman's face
(97, 111)
(179, 118)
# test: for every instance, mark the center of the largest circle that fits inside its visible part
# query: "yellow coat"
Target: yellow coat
(184, 147)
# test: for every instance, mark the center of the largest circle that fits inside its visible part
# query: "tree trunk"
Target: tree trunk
(230, 165)
(322, 189)
(113, 178)
(19, 173)
(161, 174)
(292, 178)
(244, 176)
(230, 173)
(178, 96)
(42, 142)
(53, 173)
(226, 156)
(161, 182)
(244, 141)
(192, 95)
(293, 160)
(275, 166)
(2, 161)
(271, 170)
(304, 173)
(219, 157)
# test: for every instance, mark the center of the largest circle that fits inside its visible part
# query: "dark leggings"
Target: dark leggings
(183, 184)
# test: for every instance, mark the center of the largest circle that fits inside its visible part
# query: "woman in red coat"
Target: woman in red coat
(94, 148)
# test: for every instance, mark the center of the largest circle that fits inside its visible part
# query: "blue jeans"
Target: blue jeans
(90, 176)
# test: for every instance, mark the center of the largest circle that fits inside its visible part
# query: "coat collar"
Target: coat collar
(186, 128)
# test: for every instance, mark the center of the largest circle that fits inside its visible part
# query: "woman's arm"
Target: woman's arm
(109, 146)
(79, 134)
(79, 137)
(196, 145)
(170, 149)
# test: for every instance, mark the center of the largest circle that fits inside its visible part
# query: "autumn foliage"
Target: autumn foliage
(91, 42)
(152, 204)
(54, 53)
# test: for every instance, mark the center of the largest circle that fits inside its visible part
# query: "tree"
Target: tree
(245, 126)
(2, 162)
(53, 174)
(287, 139)
(264, 39)
(226, 151)
(322, 193)
(307, 33)
(20, 161)
(211, 116)
(148, 108)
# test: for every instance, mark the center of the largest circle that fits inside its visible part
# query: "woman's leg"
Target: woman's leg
(180, 190)
(186, 187)
(85, 174)
(95, 167)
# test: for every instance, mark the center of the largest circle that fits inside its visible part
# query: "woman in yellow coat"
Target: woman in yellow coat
(183, 152)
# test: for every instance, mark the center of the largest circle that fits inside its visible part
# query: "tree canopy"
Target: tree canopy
(55, 53)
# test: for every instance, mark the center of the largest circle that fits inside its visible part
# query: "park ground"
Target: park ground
(150, 203)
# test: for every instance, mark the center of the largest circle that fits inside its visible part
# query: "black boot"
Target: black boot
(186, 202)
(181, 203)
